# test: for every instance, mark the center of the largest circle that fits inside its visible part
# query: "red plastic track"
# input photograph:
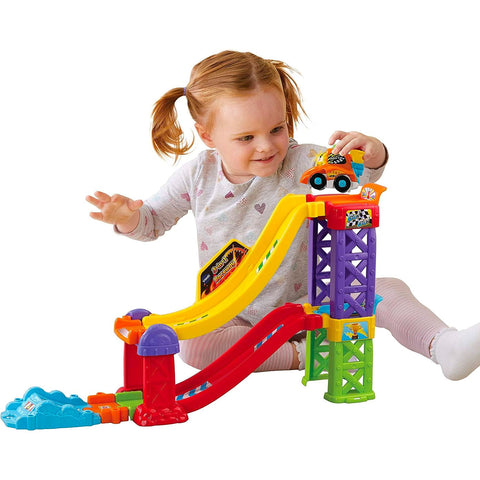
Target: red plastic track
(245, 356)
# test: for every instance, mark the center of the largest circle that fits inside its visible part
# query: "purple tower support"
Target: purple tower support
(353, 273)
(319, 268)
(342, 269)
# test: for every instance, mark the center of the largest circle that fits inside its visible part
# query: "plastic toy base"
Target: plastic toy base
(148, 416)
(350, 398)
(105, 405)
(39, 409)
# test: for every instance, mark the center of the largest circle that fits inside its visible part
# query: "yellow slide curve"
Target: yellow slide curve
(250, 277)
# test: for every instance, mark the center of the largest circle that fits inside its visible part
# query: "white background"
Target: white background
(78, 82)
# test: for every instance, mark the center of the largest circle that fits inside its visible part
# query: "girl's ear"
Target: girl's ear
(204, 135)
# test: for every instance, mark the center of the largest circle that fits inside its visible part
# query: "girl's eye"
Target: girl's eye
(246, 138)
(277, 129)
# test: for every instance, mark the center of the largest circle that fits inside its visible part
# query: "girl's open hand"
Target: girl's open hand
(116, 209)
(375, 153)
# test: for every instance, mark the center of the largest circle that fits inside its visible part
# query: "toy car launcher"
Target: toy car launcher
(339, 318)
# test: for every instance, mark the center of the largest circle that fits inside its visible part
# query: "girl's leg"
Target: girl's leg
(410, 322)
(201, 351)
(419, 329)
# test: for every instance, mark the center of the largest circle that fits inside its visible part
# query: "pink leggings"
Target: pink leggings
(410, 322)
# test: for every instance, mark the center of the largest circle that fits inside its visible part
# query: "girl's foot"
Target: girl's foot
(457, 352)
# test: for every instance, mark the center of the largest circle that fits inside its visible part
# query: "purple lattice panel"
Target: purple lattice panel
(319, 269)
(353, 273)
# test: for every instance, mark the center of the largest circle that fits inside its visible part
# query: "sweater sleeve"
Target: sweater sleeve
(371, 175)
(163, 210)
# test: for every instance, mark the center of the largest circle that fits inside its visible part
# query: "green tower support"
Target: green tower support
(350, 362)
(316, 362)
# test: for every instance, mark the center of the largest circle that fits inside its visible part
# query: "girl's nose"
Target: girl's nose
(263, 145)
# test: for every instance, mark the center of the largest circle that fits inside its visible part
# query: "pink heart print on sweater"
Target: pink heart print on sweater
(260, 208)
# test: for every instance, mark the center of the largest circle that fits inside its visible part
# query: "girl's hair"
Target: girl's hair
(226, 73)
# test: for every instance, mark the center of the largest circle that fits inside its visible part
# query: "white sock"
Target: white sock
(457, 352)
(301, 347)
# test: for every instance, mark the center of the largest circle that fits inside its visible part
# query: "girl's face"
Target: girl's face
(250, 134)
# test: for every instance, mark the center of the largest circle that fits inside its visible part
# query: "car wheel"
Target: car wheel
(318, 181)
(342, 183)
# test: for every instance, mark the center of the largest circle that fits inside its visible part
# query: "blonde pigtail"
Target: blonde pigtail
(168, 137)
(293, 96)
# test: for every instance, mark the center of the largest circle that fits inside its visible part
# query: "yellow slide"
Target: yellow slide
(251, 276)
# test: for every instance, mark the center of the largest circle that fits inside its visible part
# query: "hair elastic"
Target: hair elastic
(184, 90)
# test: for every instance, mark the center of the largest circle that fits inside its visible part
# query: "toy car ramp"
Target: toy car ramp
(245, 356)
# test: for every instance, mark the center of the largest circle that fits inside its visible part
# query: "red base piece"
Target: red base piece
(147, 416)
(125, 389)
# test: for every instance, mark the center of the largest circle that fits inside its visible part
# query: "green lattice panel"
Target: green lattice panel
(350, 372)
(316, 361)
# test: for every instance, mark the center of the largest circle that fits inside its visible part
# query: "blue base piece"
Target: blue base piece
(326, 308)
(41, 410)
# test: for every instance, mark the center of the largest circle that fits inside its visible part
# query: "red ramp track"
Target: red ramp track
(245, 356)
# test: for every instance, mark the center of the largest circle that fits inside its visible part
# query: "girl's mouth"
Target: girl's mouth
(265, 160)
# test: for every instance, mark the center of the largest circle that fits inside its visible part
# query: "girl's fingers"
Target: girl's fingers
(349, 141)
(341, 141)
(94, 201)
(97, 216)
(337, 135)
(340, 147)
(354, 143)
(103, 196)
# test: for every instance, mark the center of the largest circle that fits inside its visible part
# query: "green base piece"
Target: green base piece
(131, 400)
(350, 398)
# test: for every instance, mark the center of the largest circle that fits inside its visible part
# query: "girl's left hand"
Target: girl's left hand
(375, 152)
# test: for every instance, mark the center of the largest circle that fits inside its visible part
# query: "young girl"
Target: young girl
(246, 109)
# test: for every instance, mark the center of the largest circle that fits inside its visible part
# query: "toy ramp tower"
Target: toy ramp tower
(342, 251)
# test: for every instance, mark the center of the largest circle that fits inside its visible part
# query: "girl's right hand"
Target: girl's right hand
(117, 210)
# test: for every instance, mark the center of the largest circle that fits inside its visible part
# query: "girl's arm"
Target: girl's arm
(146, 221)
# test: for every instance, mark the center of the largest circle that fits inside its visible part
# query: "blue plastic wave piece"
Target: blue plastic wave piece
(41, 410)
